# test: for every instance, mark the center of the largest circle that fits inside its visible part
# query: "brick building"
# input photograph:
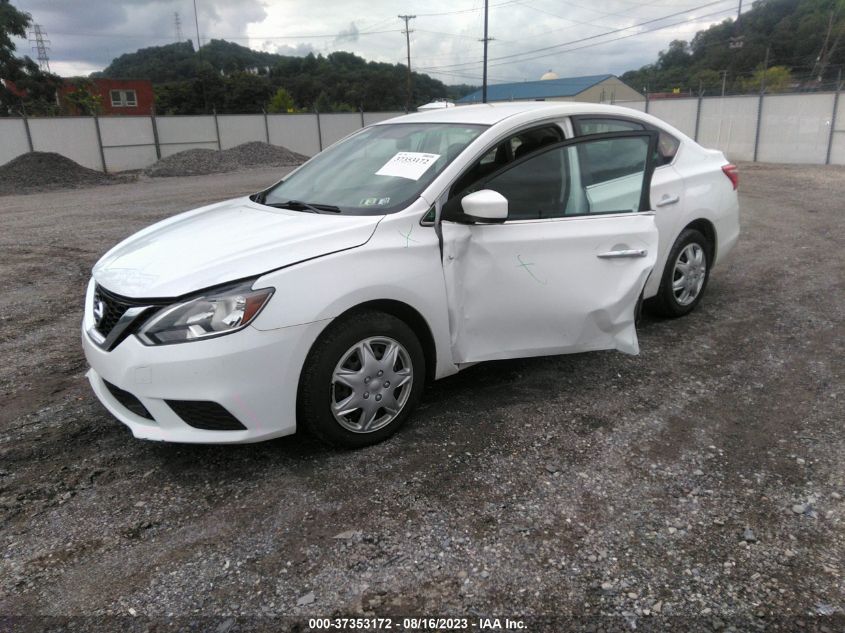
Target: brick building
(119, 96)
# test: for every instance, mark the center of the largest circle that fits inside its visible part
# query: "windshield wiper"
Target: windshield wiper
(298, 205)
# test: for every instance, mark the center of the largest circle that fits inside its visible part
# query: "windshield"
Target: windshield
(380, 170)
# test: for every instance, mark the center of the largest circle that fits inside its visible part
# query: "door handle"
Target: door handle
(666, 200)
(632, 252)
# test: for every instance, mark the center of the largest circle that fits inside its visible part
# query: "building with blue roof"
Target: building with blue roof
(593, 88)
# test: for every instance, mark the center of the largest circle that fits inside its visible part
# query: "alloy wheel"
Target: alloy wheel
(371, 384)
(689, 274)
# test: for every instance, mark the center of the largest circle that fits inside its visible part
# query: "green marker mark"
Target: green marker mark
(408, 238)
(526, 265)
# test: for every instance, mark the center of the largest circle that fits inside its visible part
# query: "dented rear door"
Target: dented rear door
(564, 273)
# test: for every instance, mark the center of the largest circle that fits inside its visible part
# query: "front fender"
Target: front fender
(401, 262)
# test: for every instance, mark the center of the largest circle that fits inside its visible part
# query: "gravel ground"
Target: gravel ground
(41, 171)
(193, 162)
(697, 486)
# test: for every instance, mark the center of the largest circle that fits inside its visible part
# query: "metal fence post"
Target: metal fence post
(646, 101)
(361, 110)
(698, 114)
(319, 130)
(833, 117)
(28, 132)
(100, 143)
(216, 128)
(760, 104)
(155, 136)
(266, 126)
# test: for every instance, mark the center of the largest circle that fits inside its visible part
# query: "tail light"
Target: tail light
(732, 173)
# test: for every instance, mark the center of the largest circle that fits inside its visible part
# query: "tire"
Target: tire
(676, 302)
(336, 371)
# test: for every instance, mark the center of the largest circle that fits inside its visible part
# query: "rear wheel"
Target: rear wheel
(684, 277)
(361, 380)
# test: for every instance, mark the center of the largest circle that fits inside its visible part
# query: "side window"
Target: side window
(517, 146)
(535, 189)
(600, 126)
(116, 98)
(667, 145)
(603, 175)
(612, 173)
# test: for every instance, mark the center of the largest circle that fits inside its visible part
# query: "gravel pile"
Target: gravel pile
(193, 162)
(38, 171)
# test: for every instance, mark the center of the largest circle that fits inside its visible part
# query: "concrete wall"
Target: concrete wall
(13, 135)
(837, 147)
(677, 112)
(794, 128)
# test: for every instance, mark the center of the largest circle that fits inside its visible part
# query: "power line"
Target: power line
(407, 33)
(583, 39)
(623, 37)
(493, 6)
(42, 46)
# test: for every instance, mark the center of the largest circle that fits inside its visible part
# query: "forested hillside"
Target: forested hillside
(233, 78)
(805, 38)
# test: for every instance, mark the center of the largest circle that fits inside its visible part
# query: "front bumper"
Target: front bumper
(253, 374)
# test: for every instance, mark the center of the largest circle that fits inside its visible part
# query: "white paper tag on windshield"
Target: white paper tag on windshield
(410, 165)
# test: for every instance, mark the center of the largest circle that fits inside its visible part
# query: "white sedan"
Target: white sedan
(406, 252)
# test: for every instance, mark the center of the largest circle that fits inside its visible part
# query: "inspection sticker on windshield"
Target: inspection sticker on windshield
(410, 165)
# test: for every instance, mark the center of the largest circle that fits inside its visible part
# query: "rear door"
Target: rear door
(667, 185)
(564, 272)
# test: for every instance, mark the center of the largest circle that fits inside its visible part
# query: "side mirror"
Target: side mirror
(485, 205)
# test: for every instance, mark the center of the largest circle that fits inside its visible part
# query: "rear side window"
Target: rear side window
(600, 126)
(667, 145)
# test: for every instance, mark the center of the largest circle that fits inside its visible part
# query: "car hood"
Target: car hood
(223, 242)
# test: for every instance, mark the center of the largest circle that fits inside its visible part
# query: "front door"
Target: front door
(565, 271)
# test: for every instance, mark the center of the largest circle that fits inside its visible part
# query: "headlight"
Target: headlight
(221, 311)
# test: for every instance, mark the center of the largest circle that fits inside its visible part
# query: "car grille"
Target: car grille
(114, 307)
(205, 415)
(128, 401)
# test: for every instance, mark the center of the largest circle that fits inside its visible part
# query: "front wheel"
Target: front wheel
(684, 277)
(361, 380)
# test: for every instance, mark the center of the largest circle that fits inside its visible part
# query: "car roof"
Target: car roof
(492, 113)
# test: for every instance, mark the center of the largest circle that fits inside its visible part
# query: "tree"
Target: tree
(281, 102)
(236, 79)
(82, 97)
(778, 79)
(805, 37)
(34, 90)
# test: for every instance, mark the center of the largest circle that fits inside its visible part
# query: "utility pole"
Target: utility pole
(407, 33)
(724, 74)
(826, 52)
(737, 40)
(197, 24)
(177, 21)
(486, 39)
(199, 60)
(42, 45)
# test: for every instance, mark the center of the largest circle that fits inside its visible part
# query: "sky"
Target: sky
(529, 37)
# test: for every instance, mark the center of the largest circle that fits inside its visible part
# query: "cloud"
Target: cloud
(88, 34)
(347, 35)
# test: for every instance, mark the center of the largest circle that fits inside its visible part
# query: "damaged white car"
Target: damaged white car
(407, 251)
